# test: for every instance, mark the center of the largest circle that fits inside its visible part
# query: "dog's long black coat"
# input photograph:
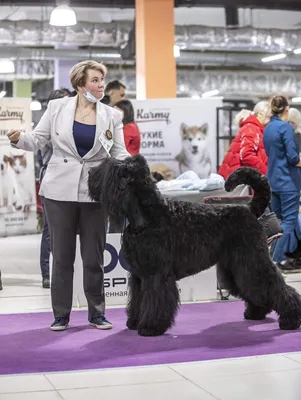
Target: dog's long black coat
(166, 241)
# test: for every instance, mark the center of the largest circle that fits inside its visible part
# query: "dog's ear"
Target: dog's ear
(124, 177)
(205, 128)
(157, 176)
(8, 159)
(123, 182)
(183, 129)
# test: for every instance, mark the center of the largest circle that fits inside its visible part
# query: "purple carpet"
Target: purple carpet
(204, 331)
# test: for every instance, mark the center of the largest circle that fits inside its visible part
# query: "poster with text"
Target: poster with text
(178, 135)
(18, 211)
(194, 288)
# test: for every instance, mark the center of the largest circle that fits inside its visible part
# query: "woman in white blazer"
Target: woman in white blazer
(82, 132)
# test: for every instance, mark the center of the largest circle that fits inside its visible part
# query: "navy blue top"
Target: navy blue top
(84, 136)
(282, 150)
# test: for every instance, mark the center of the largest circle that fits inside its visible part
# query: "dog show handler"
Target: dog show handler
(82, 132)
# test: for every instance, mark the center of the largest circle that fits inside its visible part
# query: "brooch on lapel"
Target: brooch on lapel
(109, 134)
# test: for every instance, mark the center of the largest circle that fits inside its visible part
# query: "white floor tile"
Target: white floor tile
(16, 305)
(20, 284)
(197, 372)
(31, 396)
(113, 377)
(24, 383)
(157, 391)
(293, 277)
(281, 385)
(294, 356)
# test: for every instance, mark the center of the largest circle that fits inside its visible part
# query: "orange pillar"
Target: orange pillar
(156, 75)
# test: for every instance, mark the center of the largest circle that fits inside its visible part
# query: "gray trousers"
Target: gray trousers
(64, 219)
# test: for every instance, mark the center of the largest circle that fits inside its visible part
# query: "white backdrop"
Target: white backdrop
(178, 134)
(18, 214)
(195, 288)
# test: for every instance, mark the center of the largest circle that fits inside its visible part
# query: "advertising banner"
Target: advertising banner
(18, 214)
(178, 135)
(202, 286)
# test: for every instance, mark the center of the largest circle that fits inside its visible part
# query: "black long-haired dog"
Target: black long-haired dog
(165, 241)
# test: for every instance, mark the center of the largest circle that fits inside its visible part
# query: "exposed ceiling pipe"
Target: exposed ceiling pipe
(33, 33)
(186, 57)
(58, 54)
(116, 35)
(226, 58)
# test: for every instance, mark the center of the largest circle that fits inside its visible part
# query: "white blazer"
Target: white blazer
(67, 172)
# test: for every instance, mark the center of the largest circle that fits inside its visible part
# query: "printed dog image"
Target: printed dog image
(10, 199)
(195, 155)
(163, 170)
(22, 173)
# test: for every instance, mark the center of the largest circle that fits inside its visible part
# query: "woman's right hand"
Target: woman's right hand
(14, 136)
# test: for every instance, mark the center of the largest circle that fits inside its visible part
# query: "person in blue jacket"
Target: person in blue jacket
(284, 175)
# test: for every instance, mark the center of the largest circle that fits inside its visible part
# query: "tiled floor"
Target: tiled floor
(272, 377)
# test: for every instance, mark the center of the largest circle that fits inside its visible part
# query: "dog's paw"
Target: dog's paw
(289, 324)
(150, 332)
(255, 313)
(254, 316)
(132, 325)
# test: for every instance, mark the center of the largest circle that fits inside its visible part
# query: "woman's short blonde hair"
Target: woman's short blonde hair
(78, 74)
(262, 107)
(294, 116)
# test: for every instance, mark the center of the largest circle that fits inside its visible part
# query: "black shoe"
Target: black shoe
(100, 323)
(1, 287)
(46, 283)
(60, 324)
(290, 266)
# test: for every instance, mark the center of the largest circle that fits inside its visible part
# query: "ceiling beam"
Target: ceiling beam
(294, 5)
(73, 3)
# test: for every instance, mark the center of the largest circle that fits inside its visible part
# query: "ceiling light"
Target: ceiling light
(35, 105)
(273, 58)
(7, 67)
(296, 100)
(297, 51)
(63, 15)
(210, 93)
(110, 55)
(2, 94)
(176, 51)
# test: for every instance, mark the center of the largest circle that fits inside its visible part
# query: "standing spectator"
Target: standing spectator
(114, 92)
(131, 131)
(246, 149)
(45, 156)
(294, 118)
(284, 175)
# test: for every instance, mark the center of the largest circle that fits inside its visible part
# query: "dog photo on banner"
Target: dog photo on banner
(17, 180)
(178, 135)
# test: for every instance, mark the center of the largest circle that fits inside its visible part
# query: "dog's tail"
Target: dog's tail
(259, 184)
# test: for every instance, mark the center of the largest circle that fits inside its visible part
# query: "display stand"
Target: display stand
(200, 287)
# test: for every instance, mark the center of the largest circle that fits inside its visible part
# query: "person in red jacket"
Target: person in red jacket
(130, 129)
(246, 149)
